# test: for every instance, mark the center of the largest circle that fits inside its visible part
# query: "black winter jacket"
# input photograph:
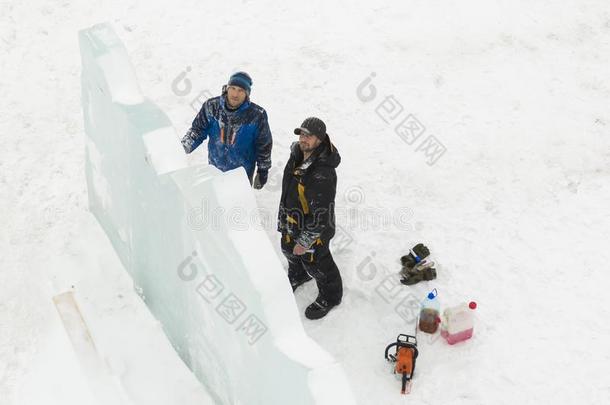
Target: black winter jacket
(307, 204)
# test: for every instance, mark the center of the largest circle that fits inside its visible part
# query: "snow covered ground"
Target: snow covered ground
(515, 211)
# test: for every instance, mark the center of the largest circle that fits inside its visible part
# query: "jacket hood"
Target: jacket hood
(326, 154)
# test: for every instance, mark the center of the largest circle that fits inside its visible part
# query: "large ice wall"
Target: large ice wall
(189, 238)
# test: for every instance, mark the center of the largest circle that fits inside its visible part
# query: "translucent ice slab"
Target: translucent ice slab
(190, 239)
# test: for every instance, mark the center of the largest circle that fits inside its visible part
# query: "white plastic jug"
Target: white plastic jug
(458, 322)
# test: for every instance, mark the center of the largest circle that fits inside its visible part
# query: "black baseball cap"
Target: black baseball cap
(312, 126)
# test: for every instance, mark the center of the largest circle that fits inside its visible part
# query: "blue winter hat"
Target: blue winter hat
(241, 79)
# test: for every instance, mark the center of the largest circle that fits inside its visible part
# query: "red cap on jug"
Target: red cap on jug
(472, 305)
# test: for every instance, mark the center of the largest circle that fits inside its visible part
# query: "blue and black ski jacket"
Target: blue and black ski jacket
(237, 138)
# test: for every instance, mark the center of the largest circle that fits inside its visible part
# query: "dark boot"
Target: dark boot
(318, 309)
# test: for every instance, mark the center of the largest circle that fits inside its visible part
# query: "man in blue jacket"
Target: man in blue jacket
(237, 129)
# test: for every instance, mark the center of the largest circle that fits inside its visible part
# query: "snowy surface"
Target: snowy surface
(515, 211)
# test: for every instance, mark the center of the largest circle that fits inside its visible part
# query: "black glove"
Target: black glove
(261, 179)
(417, 254)
(188, 140)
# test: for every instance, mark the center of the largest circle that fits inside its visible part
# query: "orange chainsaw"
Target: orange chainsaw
(404, 357)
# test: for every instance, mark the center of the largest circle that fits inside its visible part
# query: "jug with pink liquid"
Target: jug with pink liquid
(457, 323)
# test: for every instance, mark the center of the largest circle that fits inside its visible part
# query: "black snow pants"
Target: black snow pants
(318, 263)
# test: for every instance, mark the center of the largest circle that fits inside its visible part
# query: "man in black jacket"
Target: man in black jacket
(307, 215)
